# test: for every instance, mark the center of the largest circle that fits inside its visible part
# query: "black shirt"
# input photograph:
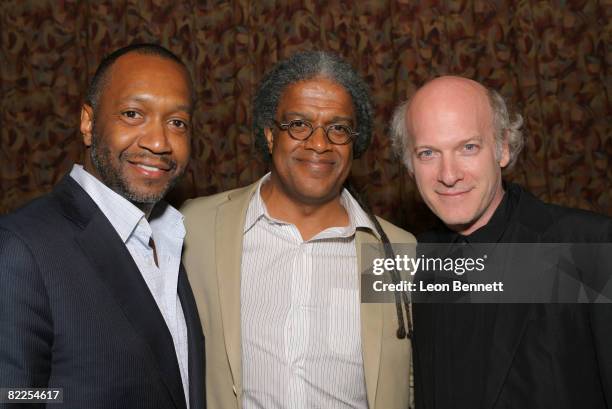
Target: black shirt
(462, 331)
(517, 355)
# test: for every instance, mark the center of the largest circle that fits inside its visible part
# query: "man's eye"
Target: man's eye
(425, 154)
(179, 124)
(471, 147)
(338, 128)
(131, 114)
(298, 125)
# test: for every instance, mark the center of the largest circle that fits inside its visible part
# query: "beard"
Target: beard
(112, 175)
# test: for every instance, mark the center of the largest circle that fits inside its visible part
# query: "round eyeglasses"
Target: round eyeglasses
(301, 130)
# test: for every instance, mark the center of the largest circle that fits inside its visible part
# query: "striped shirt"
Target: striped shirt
(167, 230)
(300, 313)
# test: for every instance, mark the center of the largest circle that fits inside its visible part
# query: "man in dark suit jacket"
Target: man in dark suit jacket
(455, 136)
(93, 297)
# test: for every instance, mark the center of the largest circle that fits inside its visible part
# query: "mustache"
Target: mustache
(165, 159)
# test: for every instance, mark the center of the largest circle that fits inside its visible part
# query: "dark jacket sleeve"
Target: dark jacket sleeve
(26, 328)
(601, 316)
(601, 325)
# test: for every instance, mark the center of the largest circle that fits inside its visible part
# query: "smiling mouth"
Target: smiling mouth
(152, 170)
(316, 162)
(454, 193)
(317, 168)
(149, 168)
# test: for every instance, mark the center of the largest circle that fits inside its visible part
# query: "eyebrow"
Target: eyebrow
(342, 119)
(476, 138)
(299, 114)
(145, 99)
(335, 119)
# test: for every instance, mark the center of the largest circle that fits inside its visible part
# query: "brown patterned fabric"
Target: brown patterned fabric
(547, 57)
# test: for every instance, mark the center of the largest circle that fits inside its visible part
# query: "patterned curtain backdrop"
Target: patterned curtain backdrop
(547, 57)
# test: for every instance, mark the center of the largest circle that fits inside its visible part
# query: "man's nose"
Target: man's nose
(450, 171)
(155, 138)
(318, 140)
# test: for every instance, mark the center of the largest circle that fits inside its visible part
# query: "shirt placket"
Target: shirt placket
(298, 336)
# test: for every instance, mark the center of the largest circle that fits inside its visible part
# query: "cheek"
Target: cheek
(117, 140)
(182, 151)
(486, 170)
(347, 165)
(281, 145)
(425, 177)
(279, 158)
(283, 151)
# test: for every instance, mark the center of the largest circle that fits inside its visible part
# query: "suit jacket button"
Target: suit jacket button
(234, 389)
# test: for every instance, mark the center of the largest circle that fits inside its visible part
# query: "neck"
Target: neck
(146, 208)
(310, 218)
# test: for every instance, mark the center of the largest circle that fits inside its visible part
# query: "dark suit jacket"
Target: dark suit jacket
(541, 355)
(76, 313)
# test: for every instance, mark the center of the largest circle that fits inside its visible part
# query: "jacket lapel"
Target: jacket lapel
(195, 337)
(229, 231)
(371, 328)
(115, 267)
(510, 323)
(511, 319)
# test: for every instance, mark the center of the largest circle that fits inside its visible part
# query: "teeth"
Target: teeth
(151, 168)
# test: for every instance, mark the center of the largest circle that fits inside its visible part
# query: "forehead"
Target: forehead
(449, 112)
(134, 74)
(319, 93)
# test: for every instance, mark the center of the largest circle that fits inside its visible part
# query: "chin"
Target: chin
(311, 197)
(317, 191)
(145, 196)
(453, 219)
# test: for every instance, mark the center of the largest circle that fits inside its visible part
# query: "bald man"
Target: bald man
(455, 136)
(94, 299)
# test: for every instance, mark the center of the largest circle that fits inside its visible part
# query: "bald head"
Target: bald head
(450, 101)
(449, 96)
(462, 97)
(451, 82)
(450, 92)
(454, 141)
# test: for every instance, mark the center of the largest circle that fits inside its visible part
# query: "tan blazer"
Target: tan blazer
(213, 252)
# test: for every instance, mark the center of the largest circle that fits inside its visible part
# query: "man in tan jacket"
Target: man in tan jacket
(275, 266)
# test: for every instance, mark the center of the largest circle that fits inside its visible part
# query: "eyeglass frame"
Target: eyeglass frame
(285, 127)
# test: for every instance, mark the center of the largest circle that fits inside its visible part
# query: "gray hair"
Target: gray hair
(302, 67)
(506, 128)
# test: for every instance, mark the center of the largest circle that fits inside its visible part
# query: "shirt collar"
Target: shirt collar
(123, 215)
(257, 208)
(358, 218)
(167, 220)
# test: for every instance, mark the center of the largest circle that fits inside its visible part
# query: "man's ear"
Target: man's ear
(269, 138)
(505, 154)
(87, 118)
